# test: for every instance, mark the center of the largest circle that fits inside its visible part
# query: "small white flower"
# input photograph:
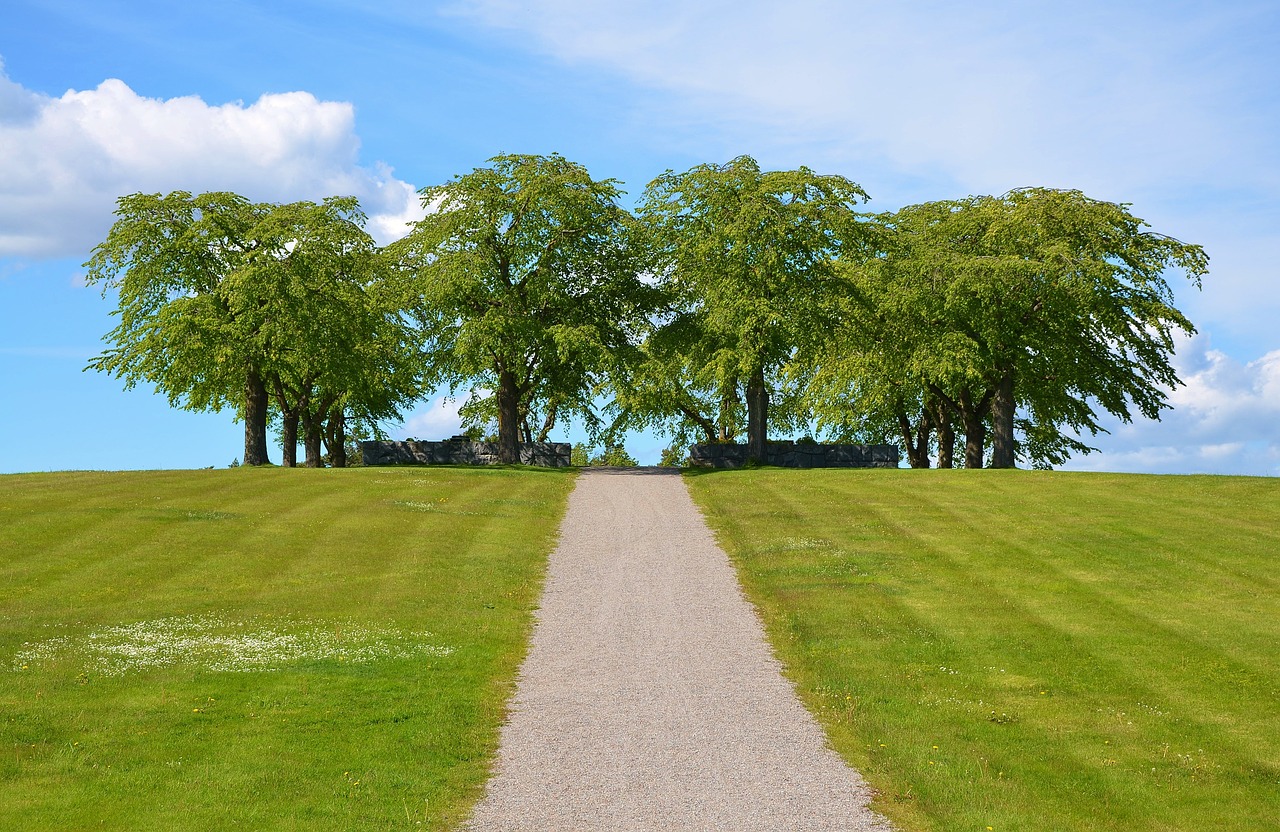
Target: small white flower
(212, 643)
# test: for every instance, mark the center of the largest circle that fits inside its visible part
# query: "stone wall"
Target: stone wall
(456, 452)
(798, 455)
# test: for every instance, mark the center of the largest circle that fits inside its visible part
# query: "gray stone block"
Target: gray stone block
(797, 455)
(454, 452)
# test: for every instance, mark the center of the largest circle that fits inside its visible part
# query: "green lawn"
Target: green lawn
(262, 649)
(1015, 650)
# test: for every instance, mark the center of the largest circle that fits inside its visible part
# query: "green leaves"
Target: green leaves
(1060, 296)
(525, 279)
(737, 297)
(171, 259)
(216, 291)
(746, 259)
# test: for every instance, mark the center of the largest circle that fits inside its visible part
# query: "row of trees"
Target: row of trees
(733, 301)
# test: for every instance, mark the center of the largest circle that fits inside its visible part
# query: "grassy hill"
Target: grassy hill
(1012, 650)
(295, 649)
(262, 649)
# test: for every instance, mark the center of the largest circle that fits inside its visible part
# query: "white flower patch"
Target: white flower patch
(209, 642)
(416, 505)
(800, 544)
(41, 652)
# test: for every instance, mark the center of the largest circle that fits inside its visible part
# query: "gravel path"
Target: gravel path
(649, 699)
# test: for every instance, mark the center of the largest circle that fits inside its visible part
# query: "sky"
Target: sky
(1171, 107)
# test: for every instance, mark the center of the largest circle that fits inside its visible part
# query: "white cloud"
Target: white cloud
(1107, 97)
(439, 420)
(1170, 108)
(66, 160)
(1225, 400)
(16, 103)
(1224, 451)
(1225, 419)
(401, 207)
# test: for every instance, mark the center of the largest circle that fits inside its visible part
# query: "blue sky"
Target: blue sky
(1173, 107)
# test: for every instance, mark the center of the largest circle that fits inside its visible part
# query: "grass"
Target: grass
(1026, 650)
(263, 649)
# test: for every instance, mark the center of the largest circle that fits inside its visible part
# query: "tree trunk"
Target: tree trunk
(549, 422)
(946, 435)
(973, 418)
(336, 438)
(289, 414)
(915, 438)
(508, 417)
(728, 399)
(255, 420)
(708, 427)
(924, 432)
(1002, 412)
(757, 416)
(311, 441)
(312, 427)
(975, 431)
(289, 439)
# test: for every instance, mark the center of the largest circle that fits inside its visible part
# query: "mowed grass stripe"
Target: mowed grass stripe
(1151, 664)
(1027, 650)
(1084, 613)
(396, 741)
(1152, 621)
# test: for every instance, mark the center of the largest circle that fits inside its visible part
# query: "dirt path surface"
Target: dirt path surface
(649, 699)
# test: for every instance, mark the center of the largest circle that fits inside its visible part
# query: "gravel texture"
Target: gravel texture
(650, 699)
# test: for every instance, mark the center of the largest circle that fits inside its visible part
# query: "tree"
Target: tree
(1041, 302)
(185, 326)
(870, 382)
(524, 281)
(853, 400)
(614, 456)
(227, 303)
(747, 257)
(338, 347)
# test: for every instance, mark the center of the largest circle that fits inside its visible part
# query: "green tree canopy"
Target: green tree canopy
(1023, 313)
(525, 281)
(224, 302)
(339, 346)
(680, 382)
(746, 259)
